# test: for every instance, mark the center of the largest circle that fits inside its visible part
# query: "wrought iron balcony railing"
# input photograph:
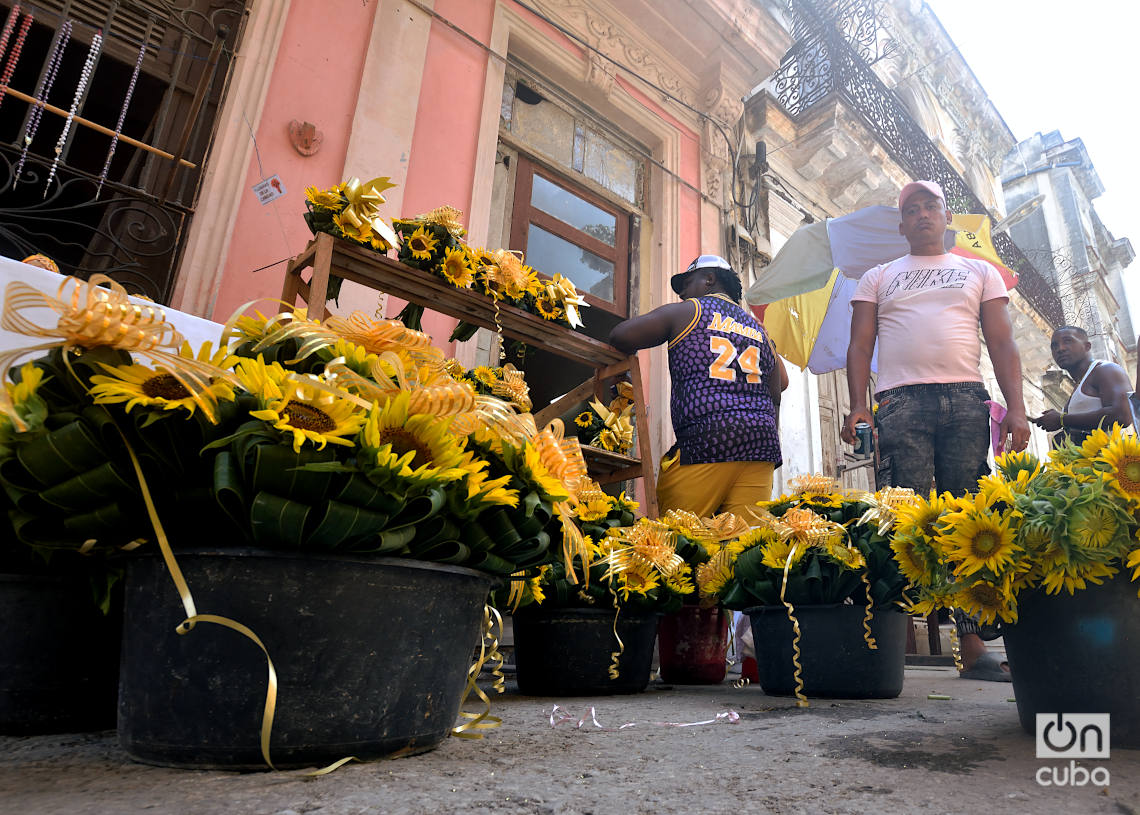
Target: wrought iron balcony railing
(825, 62)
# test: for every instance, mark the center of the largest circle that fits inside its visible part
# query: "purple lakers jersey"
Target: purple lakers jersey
(720, 366)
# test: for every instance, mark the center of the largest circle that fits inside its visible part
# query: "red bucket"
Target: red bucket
(692, 644)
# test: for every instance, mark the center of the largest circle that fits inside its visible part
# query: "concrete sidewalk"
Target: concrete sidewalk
(967, 754)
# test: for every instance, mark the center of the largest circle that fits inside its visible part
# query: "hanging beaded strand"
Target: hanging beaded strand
(8, 26)
(122, 117)
(14, 57)
(42, 93)
(88, 66)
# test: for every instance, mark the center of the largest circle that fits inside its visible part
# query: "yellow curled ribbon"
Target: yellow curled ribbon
(363, 208)
(798, 668)
(618, 424)
(488, 653)
(562, 291)
(91, 316)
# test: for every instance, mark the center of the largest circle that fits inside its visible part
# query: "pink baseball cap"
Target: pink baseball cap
(915, 186)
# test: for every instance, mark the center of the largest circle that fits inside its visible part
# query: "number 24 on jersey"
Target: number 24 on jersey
(748, 361)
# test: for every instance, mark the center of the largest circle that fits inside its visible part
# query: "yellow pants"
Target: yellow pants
(709, 489)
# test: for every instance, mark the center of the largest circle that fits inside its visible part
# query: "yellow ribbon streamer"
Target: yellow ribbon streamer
(798, 668)
(192, 615)
(478, 722)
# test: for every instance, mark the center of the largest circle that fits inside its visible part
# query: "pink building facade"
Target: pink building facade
(618, 115)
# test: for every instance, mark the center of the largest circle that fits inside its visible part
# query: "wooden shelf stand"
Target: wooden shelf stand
(327, 255)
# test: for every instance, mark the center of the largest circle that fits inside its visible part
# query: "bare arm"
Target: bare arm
(1113, 386)
(864, 327)
(650, 330)
(998, 332)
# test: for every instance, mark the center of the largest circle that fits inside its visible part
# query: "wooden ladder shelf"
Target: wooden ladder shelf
(327, 255)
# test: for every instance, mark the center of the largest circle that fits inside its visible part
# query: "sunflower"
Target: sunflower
(714, 575)
(140, 385)
(1133, 563)
(354, 231)
(548, 308)
(482, 489)
(596, 509)
(456, 268)
(484, 376)
(325, 199)
(638, 580)
(421, 244)
(778, 552)
(846, 556)
(681, 581)
(25, 402)
(1093, 526)
(910, 558)
(1122, 455)
(1096, 441)
(546, 481)
(981, 540)
(357, 358)
(584, 419)
(922, 514)
(415, 446)
(1073, 578)
(986, 601)
(1013, 464)
(305, 408)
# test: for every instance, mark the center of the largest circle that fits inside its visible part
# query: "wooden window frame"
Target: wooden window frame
(524, 214)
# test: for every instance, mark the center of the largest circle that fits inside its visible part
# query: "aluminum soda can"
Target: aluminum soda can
(864, 443)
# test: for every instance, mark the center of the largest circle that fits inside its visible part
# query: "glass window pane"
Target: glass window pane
(552, 255)
(545, 127)
(570, 209)
(611, 166)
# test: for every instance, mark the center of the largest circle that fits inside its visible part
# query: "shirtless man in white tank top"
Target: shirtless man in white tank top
(1099, 398)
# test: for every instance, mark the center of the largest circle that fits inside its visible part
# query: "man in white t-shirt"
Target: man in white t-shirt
(924, 309)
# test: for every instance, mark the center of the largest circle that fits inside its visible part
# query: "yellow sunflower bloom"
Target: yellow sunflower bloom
(421, 244)
(325, 199)
(910, 558)
(140, 385)
(1122, 455)
(714, 575)
(596, 509)
(986, 601)
(847, 556)
(484, 375)
(1093, 526)
(980, 541)
(31, 377)
(310, 413)
(922, 514)
(681, 581)
(541, 476)
(584, 419)
(547, 307)
(638, 580)
(1133, 562)
(354, 231)
(456, 268)
(778, 552)
(415, 446)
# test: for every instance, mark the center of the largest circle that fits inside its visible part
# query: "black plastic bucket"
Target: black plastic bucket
(836, 661)
(59, 656)
(1079, 653)
(371, 657)
(566, 651)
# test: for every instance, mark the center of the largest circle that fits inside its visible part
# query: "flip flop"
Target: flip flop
(987, 668)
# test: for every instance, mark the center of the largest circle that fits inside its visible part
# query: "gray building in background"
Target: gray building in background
(1049, 185)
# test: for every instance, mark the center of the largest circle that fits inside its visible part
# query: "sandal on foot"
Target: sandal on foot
(987, 668)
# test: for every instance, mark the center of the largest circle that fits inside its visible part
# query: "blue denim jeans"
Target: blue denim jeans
(933, 436)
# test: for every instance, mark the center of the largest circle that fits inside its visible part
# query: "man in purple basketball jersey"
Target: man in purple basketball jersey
(726, 381)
